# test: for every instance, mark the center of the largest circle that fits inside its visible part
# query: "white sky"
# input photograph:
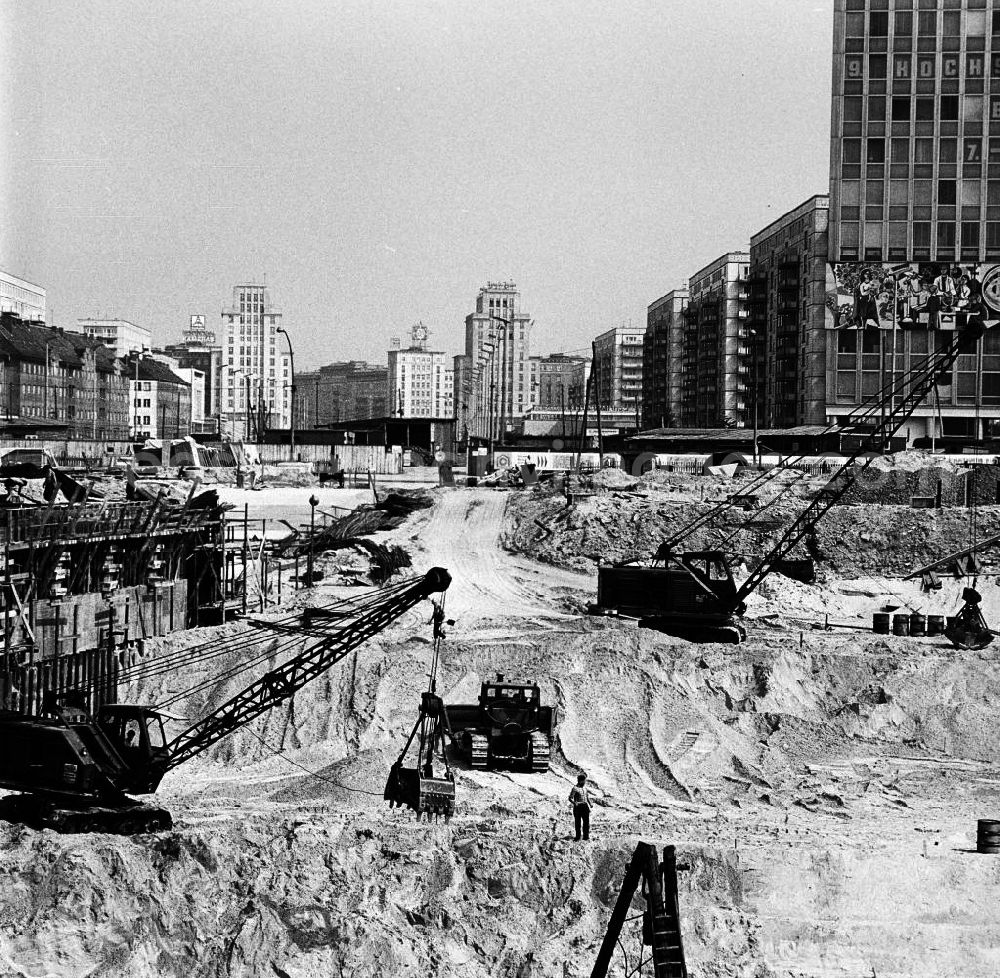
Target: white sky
(381, 160)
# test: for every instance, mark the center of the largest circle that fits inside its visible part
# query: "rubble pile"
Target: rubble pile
(850, 540)
(745, 759)
(822, 786)
(897, 479)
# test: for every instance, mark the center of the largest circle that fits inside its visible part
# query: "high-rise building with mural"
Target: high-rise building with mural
(914, 232)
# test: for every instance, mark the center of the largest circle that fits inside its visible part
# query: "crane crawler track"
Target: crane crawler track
(540, 750)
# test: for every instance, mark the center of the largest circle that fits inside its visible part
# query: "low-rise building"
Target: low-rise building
(160, 400)
(23, 298)
(352, 390)
(119, 335)
(306, 405)
(555, 373)
(199, 351)
(61, 381)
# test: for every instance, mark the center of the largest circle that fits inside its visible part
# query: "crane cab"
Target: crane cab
(694, 583)
(137, 734)
(687, 594)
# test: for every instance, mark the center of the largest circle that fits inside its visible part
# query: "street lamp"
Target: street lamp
(507, 323)
(313, 503)
(291, 357)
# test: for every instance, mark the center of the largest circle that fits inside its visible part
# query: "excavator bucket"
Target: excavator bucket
(432, 796)
(968, 629)
(428, 787)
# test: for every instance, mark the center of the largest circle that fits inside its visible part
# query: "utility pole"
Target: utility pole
(248, 416)
(753, 387)
(586, 405)
(597, 404)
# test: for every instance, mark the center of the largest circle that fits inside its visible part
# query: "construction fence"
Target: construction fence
(349, 458)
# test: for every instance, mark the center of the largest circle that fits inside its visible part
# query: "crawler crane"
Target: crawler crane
(693, 593)
(78, 773)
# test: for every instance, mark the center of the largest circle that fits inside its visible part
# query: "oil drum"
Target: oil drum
(988, 835)
(935, 624)
(880, 623)
(918, 624)
(900, 624)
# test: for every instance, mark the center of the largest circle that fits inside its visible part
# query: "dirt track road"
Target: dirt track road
(462, 533)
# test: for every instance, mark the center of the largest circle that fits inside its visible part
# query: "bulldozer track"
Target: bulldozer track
(539, 752)
(479, 751)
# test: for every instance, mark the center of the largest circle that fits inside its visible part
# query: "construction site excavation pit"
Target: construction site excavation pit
(821, 785)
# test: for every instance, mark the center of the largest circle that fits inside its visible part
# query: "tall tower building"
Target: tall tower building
(256, 374)
(497, 348)
(914, 205)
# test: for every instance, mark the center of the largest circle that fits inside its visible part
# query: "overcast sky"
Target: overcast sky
(382, 160)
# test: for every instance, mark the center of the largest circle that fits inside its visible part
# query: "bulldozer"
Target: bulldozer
(508, 727)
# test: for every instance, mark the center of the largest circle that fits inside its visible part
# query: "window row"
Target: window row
(903, 108)
(927, 23)
(921, 193)
(894, 234)
(921, 150)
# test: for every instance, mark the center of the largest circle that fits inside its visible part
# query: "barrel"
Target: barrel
(935, 624)
(952, 621)
(880, 623)
(918, 624)
(988, 835)
(900, 624)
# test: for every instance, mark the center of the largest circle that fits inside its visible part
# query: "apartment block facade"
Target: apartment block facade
(787, 322)
(662, 360)
(618, 370)
(715, 369)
